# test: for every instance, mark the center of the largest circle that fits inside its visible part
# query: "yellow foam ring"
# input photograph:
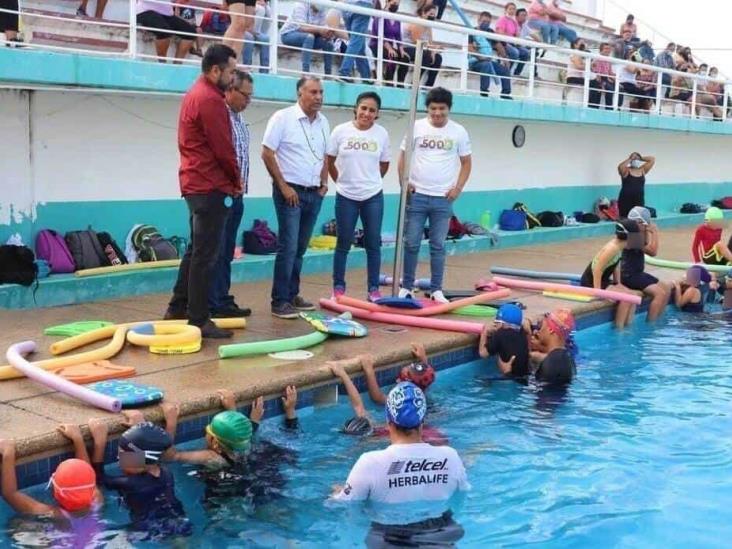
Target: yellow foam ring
(568, 296)
(165, 335)
(129, 267)
(235, 323)
(176, 349)
(103, 353)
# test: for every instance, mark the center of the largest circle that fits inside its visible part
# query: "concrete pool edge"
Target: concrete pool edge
(40, 455)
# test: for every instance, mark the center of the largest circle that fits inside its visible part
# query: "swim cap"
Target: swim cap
(640, 214)
(560, 322)
(624, 227)
(358, 426)
(510, 314)
(232, 429)
(697, 274)
(74, 484)
(422, 375)
(146, 438)
(406, 406)
(713, 214)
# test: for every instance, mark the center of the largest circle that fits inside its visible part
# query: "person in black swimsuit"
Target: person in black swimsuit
(633, 172)
(550, 356)
(507, 339)
(690, 293)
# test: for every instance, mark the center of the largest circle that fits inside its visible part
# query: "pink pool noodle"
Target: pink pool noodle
(568, 288)
(405, 320)
(425, 311)
(15, 356)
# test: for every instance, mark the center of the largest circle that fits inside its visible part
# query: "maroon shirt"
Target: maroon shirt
(207, 158)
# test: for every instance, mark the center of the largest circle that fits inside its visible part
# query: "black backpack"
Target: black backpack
(17, 265)
(531, 220)
(86, 250)
(551, 219)
(589, 218)
(691, 208)
(151, 246)
(261, 240)
(113, 252)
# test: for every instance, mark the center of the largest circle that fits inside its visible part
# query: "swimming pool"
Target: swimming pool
(636, 453)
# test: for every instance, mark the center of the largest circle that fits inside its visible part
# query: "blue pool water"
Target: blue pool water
(636, 453)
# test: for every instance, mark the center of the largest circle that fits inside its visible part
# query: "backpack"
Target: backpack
(260, 240)
(51, 247)
(727, 203)
(17, 265)
(551, 219)
(512, 220)
(86, 250)
(456, 230)
(691, 208)
(531, 220)
(151, 246)
(589, 218)
(607, 209)
(113, 252)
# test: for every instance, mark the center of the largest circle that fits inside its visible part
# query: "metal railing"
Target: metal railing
(551, 74)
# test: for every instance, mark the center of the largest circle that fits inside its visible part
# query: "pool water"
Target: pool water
(636, 453)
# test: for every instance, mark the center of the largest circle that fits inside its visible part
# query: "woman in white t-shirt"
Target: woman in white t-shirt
(358, 158)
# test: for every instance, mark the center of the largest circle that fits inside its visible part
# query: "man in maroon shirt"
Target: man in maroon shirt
(209, 177)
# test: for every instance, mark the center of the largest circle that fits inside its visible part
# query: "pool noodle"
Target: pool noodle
(544, 275)
(427, 311)
(406, 320)
(566, 288)
(253, 348)
(15, 357)
(129, 267)
(683, 265)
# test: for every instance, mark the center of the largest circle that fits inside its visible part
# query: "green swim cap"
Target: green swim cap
(713, 214)
(232, 429)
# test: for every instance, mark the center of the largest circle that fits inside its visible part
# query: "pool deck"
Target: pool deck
(30, 413)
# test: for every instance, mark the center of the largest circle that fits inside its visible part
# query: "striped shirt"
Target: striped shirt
(240, 135)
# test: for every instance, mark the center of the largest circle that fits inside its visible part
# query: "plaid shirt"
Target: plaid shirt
(240, 135)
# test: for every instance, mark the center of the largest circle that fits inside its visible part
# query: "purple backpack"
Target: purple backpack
(51, 247)
(260, 240)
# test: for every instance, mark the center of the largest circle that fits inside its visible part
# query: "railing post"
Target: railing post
(464, 67)
(659, 92)
(725, 101)
(586, 84)
(693, 100)
(380, 53)
(274, 37)
(532, 72)
(132, 19)
(616, 93)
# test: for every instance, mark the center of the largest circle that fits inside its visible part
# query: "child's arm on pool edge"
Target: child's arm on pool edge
(19, 501)
(356, 402)
(73, 433)
(372, 384)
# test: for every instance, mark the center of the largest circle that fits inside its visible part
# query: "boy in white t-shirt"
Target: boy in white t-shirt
(440, 168)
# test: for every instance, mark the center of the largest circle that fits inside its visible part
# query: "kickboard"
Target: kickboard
(75, 328)
(91, 372)
(335, 325)
(399, 302)
(130, 394)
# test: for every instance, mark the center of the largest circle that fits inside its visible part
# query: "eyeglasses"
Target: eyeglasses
(244, 95)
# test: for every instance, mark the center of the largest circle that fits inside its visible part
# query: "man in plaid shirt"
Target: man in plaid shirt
(221, 303)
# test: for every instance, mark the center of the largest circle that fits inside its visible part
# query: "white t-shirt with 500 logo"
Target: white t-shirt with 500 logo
(437, 152)
(358, 155)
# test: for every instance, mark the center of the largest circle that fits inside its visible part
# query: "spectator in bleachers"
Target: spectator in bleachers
(508, 26)
(684, 57)
(242, 22)
(393, 51)
(357, 26)
(164, 24)
(525, 31)
(9, 21)
(681, 88)
(703, 69)
(487, 61)
(624, 45)
(646, 52)
(539, 20)
(646, 80)
(628, 77)
(576, 68)
(714, 88)
(189, 15)
(431, 59)
(98, 10)
(306, 28)
(439, 4)
(709, 95)
(215, 22)
(558, 20)
(631, 27)
(604, 78)
(259, 36)
(665, 60)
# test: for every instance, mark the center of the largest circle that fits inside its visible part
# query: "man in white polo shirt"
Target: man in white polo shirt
(440, 168)
(293, 151)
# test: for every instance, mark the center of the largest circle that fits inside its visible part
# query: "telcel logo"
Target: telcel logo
(425, 465)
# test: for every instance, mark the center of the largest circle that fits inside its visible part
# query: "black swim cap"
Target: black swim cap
(146, 438)
(358, 426)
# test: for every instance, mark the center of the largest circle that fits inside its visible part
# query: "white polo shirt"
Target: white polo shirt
(299, 144)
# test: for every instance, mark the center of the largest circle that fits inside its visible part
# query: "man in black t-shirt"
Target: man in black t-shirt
(508, 340)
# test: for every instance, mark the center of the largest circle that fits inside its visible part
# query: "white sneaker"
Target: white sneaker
(439, 297)
(403, 292)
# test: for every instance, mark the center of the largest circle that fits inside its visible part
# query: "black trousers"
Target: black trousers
(597, 88)
(431, 63)
(9, 21)
(207, 217)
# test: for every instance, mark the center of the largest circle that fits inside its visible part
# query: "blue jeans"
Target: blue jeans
(295, 227)
(347, 212)
(520, 53)
(563, 31)
(220, 281)
(420, 208)
(357, 25)
(263, 46)
(308, 42)
(549, 32)
(487, 69)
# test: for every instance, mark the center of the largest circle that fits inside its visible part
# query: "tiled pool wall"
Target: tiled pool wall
(39, 471)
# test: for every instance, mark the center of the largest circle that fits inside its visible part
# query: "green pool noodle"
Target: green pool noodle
(683, 265)
(253, 348)
(475, 310)
(75, 328)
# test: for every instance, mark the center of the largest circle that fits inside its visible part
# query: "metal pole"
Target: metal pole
(725, 101)
(532, 72)
(132, 18)
(408, 152)
(659, 92)
(380, 53)
(616, 92)
(586, 84)
(692, 114)
(274, 34)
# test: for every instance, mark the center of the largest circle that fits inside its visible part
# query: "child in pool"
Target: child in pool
(508, 339)
(690, 293)
(421, 373)
(708, 246)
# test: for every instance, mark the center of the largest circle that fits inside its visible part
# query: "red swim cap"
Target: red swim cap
(74, 484)
(422, 375)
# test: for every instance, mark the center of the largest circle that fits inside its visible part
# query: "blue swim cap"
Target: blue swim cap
(406, 406)
(509, 313)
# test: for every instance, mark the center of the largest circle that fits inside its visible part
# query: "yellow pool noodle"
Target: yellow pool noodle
(568, 296)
